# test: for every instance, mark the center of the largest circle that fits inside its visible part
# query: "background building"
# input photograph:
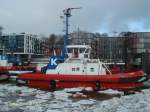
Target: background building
(22, 46)
(137, 46)
(110, 49)
(132, 48)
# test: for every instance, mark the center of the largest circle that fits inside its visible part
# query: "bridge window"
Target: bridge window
(85, 56)
(82, 50)
(87, 51)
(70, 50)
(76, 53)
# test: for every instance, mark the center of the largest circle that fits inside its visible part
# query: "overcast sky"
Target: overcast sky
(43, 16)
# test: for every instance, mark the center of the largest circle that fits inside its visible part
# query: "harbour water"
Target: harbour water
(23, 99)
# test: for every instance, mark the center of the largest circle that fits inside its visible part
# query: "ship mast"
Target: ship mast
(67, 14)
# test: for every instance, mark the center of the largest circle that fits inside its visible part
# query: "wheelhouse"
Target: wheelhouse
(78, 51)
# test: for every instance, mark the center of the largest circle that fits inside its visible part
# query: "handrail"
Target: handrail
(105, 67)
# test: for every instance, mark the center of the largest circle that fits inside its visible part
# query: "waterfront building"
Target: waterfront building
(23, 45)
(107, 49)
(137, 46)
(132, 48)
(111, 49)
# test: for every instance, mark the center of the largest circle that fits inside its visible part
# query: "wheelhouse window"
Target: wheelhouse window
(76, 53)
(82, 50)
(87, 51)
(85, 56)
(70, 50)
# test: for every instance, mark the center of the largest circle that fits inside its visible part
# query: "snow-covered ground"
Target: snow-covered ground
(24, 99)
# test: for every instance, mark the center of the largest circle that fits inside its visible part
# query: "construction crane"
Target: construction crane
(67, 14)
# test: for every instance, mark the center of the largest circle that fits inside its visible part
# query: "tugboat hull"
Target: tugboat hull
(120, 81)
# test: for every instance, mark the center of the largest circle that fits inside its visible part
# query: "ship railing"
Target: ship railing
(69, 60)
(100, 63)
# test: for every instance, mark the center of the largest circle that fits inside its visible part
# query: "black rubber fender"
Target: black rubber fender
(97, 83)
(21, 82)
(145, 78)
(53, 84)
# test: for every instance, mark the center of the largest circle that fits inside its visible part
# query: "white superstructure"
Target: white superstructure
(79, 63)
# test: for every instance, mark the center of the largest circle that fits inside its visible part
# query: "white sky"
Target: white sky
(43, 16)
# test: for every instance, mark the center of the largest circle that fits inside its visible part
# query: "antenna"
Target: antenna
(67, 14)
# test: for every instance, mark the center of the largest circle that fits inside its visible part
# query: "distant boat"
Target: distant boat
(7, 68)
(3, 74)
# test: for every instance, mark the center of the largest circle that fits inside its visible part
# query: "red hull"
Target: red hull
(3, 70)
(120, 81)
(6, 68)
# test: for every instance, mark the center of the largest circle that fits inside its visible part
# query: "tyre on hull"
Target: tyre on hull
(52, 85)
(122, 81)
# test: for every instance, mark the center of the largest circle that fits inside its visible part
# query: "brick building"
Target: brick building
(137, 46)
(110, 49)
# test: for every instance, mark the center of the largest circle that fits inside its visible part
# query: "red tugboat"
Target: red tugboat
(8, 71)
(11, 72)
(79, 70)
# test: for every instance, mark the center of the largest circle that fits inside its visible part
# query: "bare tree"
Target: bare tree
(1, 41)
(60, 42)
(52, 41)
(1, 28)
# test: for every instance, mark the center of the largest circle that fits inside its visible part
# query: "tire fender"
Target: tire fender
(52, 84)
